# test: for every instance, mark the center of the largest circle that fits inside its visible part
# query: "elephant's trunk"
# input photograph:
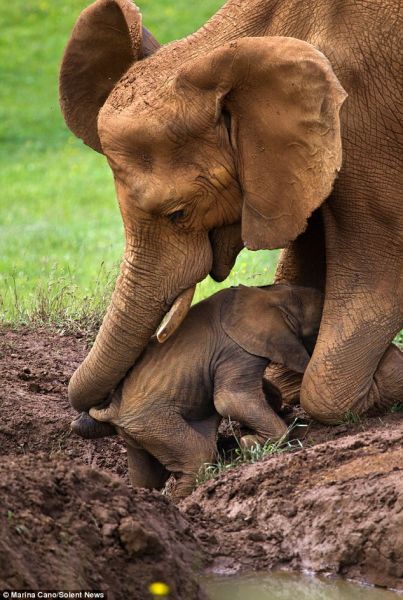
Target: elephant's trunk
(133, 315)
(156, 275)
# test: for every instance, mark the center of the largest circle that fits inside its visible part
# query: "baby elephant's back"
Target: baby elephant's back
(178, 371)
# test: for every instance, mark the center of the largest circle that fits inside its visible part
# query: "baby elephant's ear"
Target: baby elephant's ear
(254, 319)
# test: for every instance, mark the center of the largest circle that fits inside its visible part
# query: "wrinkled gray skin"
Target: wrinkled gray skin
(170, 405)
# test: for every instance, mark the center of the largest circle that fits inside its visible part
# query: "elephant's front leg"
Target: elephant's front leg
(239, 394)
(182, 447)
(354, 367)
(351, 383)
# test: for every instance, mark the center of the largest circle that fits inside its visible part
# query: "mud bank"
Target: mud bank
(67, 521)
(69, 527)
(335, 506)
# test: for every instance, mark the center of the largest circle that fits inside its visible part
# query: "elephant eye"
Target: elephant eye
(177, 216)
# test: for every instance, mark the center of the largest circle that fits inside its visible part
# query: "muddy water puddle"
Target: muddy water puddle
(286, 586)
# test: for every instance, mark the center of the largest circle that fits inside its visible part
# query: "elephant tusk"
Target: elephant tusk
(175, 316)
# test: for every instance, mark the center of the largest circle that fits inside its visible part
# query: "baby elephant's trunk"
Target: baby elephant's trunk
(88, 428)
(98, 423)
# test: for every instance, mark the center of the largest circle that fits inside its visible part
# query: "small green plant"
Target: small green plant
(399, 339)
(254, 454)
(351, 418)
(397, 407)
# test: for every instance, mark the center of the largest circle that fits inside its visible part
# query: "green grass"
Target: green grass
(241, 456)
(352, 418)
(399, 339)
(61, 234)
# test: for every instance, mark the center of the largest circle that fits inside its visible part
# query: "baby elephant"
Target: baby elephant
(169, 406)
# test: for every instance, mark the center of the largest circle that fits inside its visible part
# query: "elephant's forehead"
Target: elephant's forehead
(147, 193)
(142, 136)
(127, 128)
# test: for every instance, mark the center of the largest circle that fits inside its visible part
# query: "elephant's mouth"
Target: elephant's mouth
(176, 315)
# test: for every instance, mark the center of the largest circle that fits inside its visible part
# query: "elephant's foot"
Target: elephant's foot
(88, 428)
(248, 441)
(382, 391)
(184, 485)
(387, 385)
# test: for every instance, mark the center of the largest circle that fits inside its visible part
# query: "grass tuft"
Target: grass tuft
(241, 456)
(61, 301)
(399, 339)
(351, 418)
(58, 303)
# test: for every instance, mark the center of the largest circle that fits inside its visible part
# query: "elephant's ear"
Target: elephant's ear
(106, 39)
(284, 102)
(259, 322)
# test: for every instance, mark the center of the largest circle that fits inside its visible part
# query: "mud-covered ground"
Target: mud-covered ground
(67, 521)
(334, 506)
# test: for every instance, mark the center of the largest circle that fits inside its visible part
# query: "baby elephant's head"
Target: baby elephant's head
(279, 322)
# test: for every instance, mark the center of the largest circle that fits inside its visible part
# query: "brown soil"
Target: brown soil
(34, 371)
(335, 506)
(65, 526)
(65, 523)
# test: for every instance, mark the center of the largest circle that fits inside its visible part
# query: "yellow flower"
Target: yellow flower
(158, 588)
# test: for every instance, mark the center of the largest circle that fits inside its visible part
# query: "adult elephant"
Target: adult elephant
(231, 137)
